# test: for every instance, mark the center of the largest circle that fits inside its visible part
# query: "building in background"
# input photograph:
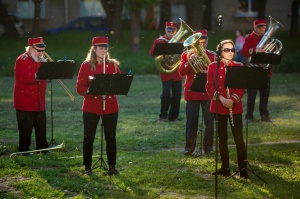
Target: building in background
(237, 14)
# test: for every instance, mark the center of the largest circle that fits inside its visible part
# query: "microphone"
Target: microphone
(220, 20)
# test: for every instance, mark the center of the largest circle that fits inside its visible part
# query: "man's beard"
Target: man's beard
(36, 58)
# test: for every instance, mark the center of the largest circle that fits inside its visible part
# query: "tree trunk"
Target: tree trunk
(113, 10)
(207, 18)
(7, 22)
(194, 13)
(262, 9)
(294, 19)
(36, 19)
(135, 29)
(165, 13)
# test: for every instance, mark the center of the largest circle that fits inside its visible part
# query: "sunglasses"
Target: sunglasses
(171, 30)
(227, 50)
(38, 50)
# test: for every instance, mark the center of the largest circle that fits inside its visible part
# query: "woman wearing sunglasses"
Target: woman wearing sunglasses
(226, 104)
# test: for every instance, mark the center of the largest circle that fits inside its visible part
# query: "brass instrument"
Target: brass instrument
(60, 147)
(170, 63)
(60, 82)
(267, 43)
(200, 63)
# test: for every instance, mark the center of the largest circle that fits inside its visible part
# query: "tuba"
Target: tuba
(201, 62)
(170, 63)
(267, 43)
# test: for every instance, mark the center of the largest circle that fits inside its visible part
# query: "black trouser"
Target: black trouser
(90, 123)
(237, 132)
(168, 100)
(192, 118)
(263, 101)
(27, 120)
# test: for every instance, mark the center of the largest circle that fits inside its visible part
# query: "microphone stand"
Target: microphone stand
(216, 119)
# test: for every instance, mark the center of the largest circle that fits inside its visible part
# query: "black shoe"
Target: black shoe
(244, 173)
(223, 172)
(265, 119)
(112, 170)
(88, 170)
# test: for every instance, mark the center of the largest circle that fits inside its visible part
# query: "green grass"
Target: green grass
(150, 153)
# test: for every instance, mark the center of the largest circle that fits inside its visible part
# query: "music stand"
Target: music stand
(243, 78)
(198, 85)
(168, 48)
(265, 58)
(55, 70)
(108, 84)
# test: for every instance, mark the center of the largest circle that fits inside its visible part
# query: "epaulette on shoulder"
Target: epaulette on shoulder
(247, 35)
(85, 62)
(212, 52)
(24, 56)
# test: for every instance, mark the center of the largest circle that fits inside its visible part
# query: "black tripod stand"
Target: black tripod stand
(107, 84)
(246, 77)
(56, 70)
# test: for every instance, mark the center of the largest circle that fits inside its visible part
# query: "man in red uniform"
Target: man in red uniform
(249, 47)
(196, 99)
(29, 96)
(98, 61)
(170, 105)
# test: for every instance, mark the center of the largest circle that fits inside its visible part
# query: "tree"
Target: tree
(194, 13)
(207, 17)
(165, 13)
(36, 19)
(294, 19)
(8, 22)
(262, 9)
(113, 10)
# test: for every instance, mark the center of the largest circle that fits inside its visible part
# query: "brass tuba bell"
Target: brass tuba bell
(201, 62)
(170, 63)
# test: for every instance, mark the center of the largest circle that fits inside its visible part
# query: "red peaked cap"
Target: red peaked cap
(259, 22)
(204, 33)
(100, 41)
(171, 24)
(38, 42)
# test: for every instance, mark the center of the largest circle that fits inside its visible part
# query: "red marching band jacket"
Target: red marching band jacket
(29, 93)
(186, 69)
(250, 44)
(211, 88)
(165, 76)
(94, 103)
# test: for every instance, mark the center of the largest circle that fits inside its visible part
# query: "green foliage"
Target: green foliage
(150, 153)
(75, 46)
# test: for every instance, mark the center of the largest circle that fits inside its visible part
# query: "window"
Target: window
(91, 8)
(246, 8)
(26, 9)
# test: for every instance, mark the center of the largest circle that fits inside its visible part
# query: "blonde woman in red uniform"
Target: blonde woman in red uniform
(226, 104)
(98, 61)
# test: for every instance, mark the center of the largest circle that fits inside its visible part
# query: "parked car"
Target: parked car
(18, 24)
(94, 24)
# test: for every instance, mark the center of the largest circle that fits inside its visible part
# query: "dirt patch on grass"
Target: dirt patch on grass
(6, 185)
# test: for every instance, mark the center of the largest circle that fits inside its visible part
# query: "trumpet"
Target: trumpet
(60, 147)
(72, 98)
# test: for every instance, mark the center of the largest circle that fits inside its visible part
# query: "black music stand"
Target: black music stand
(243, 78)
(198, 85)
(168, 48)
(108, 84)
(265, 58)
(55, 70)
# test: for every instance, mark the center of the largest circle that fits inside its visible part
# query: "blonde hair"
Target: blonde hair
(92, 59)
